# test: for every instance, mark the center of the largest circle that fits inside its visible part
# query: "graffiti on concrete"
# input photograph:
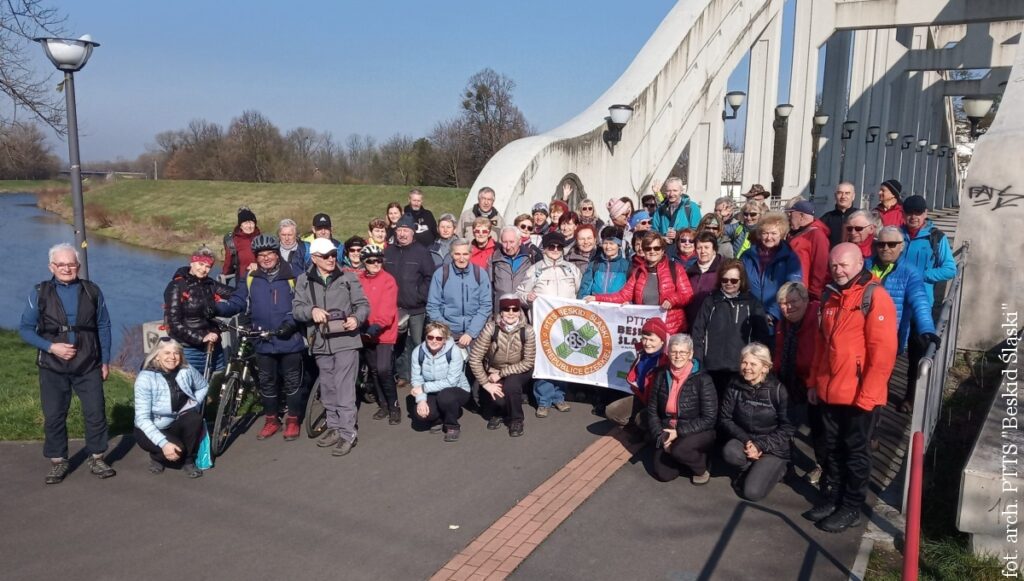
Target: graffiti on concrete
(986, 195)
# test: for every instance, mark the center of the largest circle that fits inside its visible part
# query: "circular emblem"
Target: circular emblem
(575, 340)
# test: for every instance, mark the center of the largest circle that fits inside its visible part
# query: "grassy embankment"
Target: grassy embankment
(178, 215)
(34, 186)
(21, 417)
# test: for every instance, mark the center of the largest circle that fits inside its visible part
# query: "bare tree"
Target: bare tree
(256, 147)
(27, 87)
(24, 153)
(451, 154)
(490, 118)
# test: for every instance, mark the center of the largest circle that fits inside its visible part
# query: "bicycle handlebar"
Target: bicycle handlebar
(246, 332)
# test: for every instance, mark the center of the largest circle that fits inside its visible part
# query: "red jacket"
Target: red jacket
(811, 246)
(891, 217)
(382, 292)
(243, 247)
(677, 292)
(855, 354)
(807, 335)
(482, 256)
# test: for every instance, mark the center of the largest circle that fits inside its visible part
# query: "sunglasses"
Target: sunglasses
(686, 240)
(552, 247)
(730, 281)
(652, 248)
(510, 310)
(355, 250)
(435, 338)
(526, 226)
(881, 244)
(586, 209)
(481, 231)
(856, 228)
(327, 256)
(644, 223)
(372, 261)
(751, 214)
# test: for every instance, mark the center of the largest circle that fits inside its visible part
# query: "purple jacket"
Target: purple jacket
(703, 284)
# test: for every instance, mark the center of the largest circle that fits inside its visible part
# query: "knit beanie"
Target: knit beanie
(655, 326)
(617, 207)
(246, 215)
(894, 186)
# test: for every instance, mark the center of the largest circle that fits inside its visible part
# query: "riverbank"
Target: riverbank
(34, 186)
(178, 215)
(21, 417)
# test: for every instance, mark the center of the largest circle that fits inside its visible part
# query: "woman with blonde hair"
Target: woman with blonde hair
(439, 381)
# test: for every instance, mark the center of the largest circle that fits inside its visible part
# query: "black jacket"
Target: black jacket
(724, 326)
(835, 220)
(697, 404)
(759, 414)
(426, 226)
(190, 304)
(412, 267)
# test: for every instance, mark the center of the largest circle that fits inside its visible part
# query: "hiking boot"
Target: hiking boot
(99, 468)
(380, 414)
(820, 511)
(436, 429)
(701, 479)
(813, 476)
(515, 428)
(329, 438)
(270, 427)
(451, 434)
(156, 466)
(840, 520)
(291, 428)
(58, 471)
(395, 416)
(343, 447)
(494, 423)
(190, 470)
(563, 406)
(542, 411)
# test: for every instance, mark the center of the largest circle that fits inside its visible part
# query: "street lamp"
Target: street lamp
(733, 99)
(907, 140)
(70, 55)
(819, 120)
(921, 143)
(781, 126)
(618, 116)
(848, 128)
(872, 135)
(976, 109)
(891, 137)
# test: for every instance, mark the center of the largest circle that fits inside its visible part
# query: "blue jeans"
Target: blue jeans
(548, 393)
(197, 358)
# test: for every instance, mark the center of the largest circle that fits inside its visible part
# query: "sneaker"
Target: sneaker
(58, 471)
(395, 416)
(813, 476)
(343, 447)
(542, 411)
(515, 428)
(451, 434)
(191, 470)
(270, 427)
(329, 438)
(563, 406)
(380, 414)
(156, 466)
(840, 520)
(291, 428)
(99, 468)
(701, 479)
(820, 511)
(494, 423)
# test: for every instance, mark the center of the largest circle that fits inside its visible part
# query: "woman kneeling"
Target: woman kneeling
(755, 416)
(439, 382)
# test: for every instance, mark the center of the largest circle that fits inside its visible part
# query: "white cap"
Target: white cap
(321, 246)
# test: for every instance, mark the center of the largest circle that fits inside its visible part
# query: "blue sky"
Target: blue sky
(345, 67)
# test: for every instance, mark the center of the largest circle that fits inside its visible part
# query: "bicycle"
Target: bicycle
(240, 380)
(316, 414)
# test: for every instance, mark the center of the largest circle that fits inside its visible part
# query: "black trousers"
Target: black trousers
(690, 452)
(446, 405)
(280, 374)
(847, 441)
(379, 360)
(184, 432)
(55, 391)
(510, 406)
(811, 414)
(760, 475)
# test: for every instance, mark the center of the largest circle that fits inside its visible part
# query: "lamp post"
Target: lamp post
(890, 140)
(781, 126)
(921, 143)
(976, 109)
(848, 128)
(870, 137)
(908, 140)
(70, 55)
(618, 116)
(819, 120)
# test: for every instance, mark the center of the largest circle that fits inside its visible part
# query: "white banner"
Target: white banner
(588, 343)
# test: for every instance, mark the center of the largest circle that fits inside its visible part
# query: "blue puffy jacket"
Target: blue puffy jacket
(270, 306)
(907, 289)
(153, 400)
(463, 302)
(934, 266)
(438, 372)
(784, 267)
(604, 276)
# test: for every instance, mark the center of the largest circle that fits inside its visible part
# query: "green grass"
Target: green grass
(21, 417)
(177, 215)
(19, 186)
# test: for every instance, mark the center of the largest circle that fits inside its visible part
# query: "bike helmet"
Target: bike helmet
(264, 242)
(371, 251)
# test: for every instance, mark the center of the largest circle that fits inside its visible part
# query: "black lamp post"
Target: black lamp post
(819, 122)
(781, 126)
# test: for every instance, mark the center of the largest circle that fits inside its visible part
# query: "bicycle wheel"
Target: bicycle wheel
(316, 415)
(227, 411)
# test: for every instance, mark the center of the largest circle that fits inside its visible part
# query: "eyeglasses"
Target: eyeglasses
(680, 353)
(481, 231)
(67, 265)
(644, 223)
(435, 337)
(856, 228)
(751, 214)
(329, 256)
(881, 244)
(730, 281)
(526, 227)
(372, 261)
(510, 310)
(652, 248)
(686, 240)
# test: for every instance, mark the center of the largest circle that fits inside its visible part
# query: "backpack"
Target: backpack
(422, 355)
(229, 245)
(522, 335)
(934, 237)
(446, 272)
(865, 301)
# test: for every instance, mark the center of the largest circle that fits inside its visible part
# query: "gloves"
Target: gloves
(931, 338)
(374, 331)
(286, 330)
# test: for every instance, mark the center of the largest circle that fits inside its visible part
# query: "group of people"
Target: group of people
(771, 320)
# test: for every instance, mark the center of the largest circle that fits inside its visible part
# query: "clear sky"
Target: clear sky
(375, 68)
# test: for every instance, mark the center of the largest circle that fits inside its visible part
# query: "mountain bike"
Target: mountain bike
(316, 414)
(241, 385)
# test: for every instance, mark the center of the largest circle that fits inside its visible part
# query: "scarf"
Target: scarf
(678, 378)
(178, 397)
(480, 213)
(765, 256)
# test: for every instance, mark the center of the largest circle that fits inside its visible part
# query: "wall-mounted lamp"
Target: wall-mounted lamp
(618, 116)
(921, 143)
(820, 120)
(733, 99)
(848, 128)
(976, 109)
(942, 150)
(907, 140)
(891, 137)
(783, 111)
(933, 148)
(873, 132)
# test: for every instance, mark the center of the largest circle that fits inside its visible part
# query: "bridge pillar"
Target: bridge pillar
(704, 177)
(762, 93)
(834, 104)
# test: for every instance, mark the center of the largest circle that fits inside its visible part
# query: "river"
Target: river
(132, 278)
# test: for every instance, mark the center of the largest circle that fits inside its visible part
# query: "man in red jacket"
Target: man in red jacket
(856, 352)
(808, 238)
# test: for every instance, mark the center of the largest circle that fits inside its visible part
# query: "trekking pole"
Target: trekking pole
(207, 371)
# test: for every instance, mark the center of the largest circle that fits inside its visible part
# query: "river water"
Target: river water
(132, 279)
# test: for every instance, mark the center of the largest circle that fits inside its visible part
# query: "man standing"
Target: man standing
(483, 208)
(856, 352)
(293, 251)
(66, 320)
(835, 218)
(334, 302)
(925, 246)
(509, 264)
(678, 211)
(321, 229)
(422, 218)
(460, 296)
(809, 241)
(411, 266)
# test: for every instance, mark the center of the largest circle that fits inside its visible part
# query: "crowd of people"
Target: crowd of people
(771, 321)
